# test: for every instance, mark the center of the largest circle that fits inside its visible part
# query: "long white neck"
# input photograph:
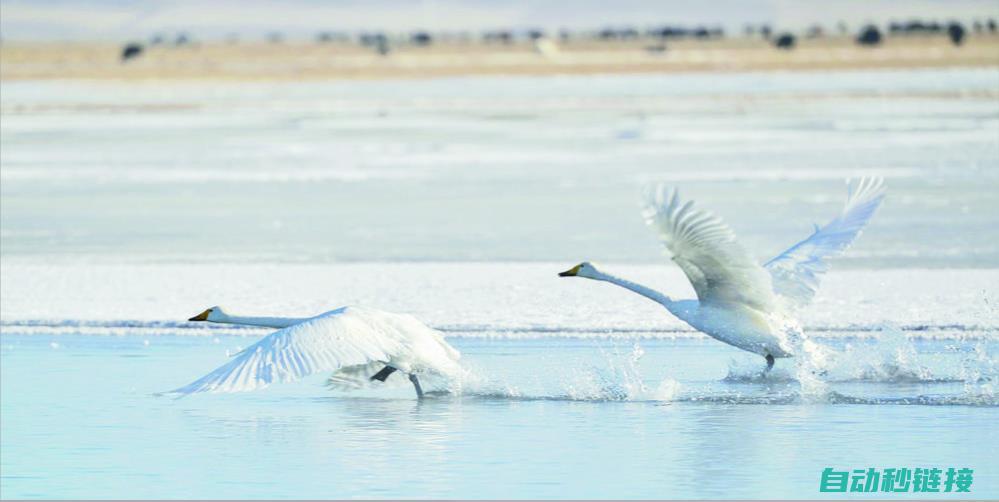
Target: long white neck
(638, 288)
(267, 322)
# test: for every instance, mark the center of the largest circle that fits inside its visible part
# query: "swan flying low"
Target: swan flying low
(359, 345)
(739, 301)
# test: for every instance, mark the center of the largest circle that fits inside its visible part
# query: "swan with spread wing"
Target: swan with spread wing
(358, 345)
(739, 301)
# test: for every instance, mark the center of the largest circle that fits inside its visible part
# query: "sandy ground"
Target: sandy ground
(306, 60)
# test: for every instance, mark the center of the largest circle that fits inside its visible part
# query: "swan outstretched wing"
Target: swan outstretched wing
(796, 272)
(706, 249)
(345, 338)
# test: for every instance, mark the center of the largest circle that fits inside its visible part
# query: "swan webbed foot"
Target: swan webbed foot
(384, 373)
(770, 363)
(416, 384)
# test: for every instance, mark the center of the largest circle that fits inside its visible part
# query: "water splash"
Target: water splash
(980, 373)
(619, 378)
(821, 374)
(889, 358)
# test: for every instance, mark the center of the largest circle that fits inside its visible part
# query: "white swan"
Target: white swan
(358, 344)
(740, 302)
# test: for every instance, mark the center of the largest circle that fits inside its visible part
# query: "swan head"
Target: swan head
(213, 314)
(585, 269)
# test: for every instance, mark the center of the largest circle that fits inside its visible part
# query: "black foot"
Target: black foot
(770, 362)
(383, 374)
(416, 383)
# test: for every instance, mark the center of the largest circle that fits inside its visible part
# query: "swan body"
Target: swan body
(359, 345)
(745, 328)
(739, 301)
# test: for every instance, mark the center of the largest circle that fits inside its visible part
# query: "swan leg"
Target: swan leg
(383, 374)
(416, 383)
(770, 362)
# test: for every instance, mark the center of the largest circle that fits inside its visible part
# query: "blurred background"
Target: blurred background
(312, 39)
(489, 130)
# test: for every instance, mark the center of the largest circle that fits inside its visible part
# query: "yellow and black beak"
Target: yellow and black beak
(571, 272)
(202, 316)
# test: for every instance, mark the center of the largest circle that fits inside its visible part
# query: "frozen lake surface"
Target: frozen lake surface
(126, 209)
(487, 169)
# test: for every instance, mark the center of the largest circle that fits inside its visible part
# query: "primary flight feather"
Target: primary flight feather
(739, 301)
(359, 345)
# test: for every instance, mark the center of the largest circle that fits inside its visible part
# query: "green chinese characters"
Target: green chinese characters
(894, 480)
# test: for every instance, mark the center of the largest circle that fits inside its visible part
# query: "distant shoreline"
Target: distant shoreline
(341, 61)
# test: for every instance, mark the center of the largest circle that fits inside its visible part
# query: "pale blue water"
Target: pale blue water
(127, 208)
(552, 418)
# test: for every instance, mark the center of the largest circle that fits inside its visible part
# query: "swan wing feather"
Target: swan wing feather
(349, 337)
(706, 249)
(796, 272)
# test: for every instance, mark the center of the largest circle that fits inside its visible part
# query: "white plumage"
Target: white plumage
(352, 342)
(796, 272)
(739, 301)
(706, 249)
